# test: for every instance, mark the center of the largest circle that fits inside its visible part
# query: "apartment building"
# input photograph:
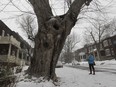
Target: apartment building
(107, 49)
(13, 48)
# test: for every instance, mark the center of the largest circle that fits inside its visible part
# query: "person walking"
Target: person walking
(91, 64)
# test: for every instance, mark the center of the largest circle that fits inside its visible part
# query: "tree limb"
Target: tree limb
(42, 10)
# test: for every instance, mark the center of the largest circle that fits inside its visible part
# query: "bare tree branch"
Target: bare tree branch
(20, 9)
(5, 6)
(71, 42)
(27, 24)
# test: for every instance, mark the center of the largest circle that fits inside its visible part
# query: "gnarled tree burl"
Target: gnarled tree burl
(52, 33)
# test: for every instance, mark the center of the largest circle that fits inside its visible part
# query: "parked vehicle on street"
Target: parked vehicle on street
(74, 62)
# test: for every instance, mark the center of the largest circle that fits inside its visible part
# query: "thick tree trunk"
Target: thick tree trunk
(48, 45)
(51, 36)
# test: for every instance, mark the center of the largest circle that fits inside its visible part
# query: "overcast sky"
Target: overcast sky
(8, 14)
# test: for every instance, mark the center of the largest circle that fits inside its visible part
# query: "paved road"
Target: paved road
(97, 69)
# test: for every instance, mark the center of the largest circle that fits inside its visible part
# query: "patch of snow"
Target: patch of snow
(74, 77)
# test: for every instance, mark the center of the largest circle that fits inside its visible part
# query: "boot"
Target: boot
(94, 73)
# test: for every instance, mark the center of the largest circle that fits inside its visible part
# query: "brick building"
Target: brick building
(107, 49)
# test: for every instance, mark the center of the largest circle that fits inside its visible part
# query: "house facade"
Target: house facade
(107, 49)
(13, 48)
(80, 54)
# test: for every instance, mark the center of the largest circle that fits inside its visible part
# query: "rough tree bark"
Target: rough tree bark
(52, 33)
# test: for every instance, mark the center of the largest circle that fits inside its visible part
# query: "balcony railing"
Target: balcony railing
(9, 39)
(11, 59)
(3, 58)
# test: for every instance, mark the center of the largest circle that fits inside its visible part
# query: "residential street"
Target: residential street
(78, 76)
(97, 69)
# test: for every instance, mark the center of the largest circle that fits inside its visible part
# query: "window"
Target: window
(105, 42)
(107, 51)
(110, 42)
(101, 47)
(4, 49)
(114, 42)
(102, 53)
(112, 50)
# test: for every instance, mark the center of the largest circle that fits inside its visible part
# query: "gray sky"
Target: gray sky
(9, 13)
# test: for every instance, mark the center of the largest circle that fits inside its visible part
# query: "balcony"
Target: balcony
(10, 59)
(9, 39)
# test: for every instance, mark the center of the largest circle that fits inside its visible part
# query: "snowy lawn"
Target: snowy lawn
(80, 78)
(72, 77)
(110, 64)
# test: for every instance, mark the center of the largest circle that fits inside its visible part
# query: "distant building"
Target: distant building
(80, 54)
(13, 48)
(107, 49)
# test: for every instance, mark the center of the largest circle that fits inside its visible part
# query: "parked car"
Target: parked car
(59, 64)
(74, 62)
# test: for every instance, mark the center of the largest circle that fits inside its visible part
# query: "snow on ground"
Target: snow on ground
(102, 64)
(73, 77)
(106, 62)
(80, 78)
